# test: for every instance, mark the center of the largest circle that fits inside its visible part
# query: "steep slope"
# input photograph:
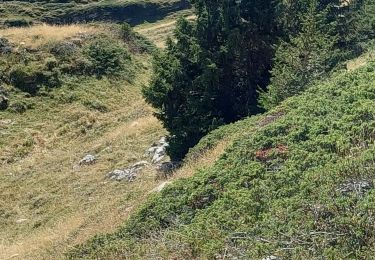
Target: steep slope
(296, 183)
(48, 202)
(23, 13)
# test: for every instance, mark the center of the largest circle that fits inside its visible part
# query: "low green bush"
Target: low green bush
(136, 41)
(25, 78)
(20, 107)
(96, 105)
(30, 78)
(64, 49)
(107, 56)
(18, 22)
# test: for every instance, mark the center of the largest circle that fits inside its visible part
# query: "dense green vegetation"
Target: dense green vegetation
(327, 35)
(212, 73)
(297, 183)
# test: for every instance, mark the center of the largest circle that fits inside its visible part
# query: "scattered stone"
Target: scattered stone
(120, 175)
(22, 220)
(6, 122)
(271, 257)
(359, 187)
(158, 151)
(87, 160)
(140, 164)
(161, 186)
(167, 168)
(129, 174)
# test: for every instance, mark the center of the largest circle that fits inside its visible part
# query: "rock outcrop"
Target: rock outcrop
(87, 160)
(128, 174)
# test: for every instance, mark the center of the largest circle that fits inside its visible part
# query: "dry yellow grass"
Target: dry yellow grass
(49, 205)
(205, 160)
(38, 35)
(160, 31)
(86, 203)
(360, 61)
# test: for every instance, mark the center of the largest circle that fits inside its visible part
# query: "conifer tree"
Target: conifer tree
(306, 57)
(209, 76)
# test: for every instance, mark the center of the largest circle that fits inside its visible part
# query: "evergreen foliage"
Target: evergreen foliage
(107, 57)
(210, 74)
(331, 32)
(306, 57)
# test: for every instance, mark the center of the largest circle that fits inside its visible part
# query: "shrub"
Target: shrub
(5, 46)
(65, 49)
(29, 78)
(307, 57)
(107, 56)
(17, 22)
(77, 66)
(24, 78)
(51, 63)
(136, 41)
(4, 101)
(96, 105)
(20, 107)
(127, 32)
(50, 78)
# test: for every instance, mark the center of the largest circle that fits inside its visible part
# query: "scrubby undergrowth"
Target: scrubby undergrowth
(296, 183)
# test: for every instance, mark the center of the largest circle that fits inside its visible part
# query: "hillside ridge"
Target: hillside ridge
(292, 183)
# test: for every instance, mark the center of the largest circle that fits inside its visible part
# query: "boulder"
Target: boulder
(128, 174)
(140, 164)
(120, 175)
(158, 151)
(271, 257)
(360, 187)
(168, 167)
(159, 154)
(87, 160)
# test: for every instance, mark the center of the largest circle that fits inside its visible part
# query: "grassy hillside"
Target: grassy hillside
(47, 203)
(23, 13)
(295, 183)
(159, 31)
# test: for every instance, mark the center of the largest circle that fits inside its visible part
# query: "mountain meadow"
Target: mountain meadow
(174, 129)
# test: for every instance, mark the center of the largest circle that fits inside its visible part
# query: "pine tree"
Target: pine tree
(210, 74)
(307, 57)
